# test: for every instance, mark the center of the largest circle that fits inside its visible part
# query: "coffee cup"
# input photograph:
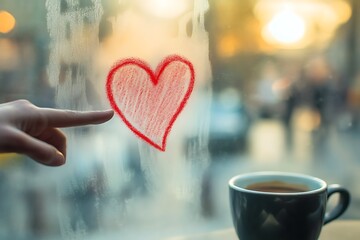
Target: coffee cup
(282, 206)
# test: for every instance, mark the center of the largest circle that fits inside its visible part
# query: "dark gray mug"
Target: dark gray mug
(282, 206)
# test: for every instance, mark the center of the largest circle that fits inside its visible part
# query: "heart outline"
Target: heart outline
(154, 77)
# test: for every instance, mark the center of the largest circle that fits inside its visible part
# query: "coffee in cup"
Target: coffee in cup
(282, 206)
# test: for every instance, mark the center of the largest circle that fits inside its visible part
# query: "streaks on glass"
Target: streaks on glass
(73, 26)
(111, 174)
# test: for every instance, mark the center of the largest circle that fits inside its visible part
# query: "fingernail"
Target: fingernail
(109, 111)
(58, 159)
(105, 111)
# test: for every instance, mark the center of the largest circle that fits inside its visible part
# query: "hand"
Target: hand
(30, 130)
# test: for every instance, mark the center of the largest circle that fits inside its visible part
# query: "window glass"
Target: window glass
(276, 87)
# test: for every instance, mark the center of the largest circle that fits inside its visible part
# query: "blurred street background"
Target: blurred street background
(286, 97)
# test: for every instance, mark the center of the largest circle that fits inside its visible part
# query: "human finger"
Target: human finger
(54, 137)
(20, 142)
(66, 118)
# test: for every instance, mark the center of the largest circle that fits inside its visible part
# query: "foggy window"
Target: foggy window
(275, 88)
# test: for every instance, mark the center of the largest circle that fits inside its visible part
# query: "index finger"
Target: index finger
(66, 118)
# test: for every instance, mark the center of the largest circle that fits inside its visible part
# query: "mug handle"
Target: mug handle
(341, 206)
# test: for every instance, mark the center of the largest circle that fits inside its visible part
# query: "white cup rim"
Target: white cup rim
(255, 177)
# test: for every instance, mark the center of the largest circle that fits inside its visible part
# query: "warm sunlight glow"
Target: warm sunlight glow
(165, 8)
(7, 22)
(298, 24)
(286, 27)
(344, 10)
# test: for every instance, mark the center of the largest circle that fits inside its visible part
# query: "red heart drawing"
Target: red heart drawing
(149, 102)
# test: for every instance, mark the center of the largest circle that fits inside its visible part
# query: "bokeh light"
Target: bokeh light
(164, 8)
(7, 22)
(298, 24)
(286, 27)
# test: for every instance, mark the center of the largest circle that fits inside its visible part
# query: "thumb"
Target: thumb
(20, 142)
